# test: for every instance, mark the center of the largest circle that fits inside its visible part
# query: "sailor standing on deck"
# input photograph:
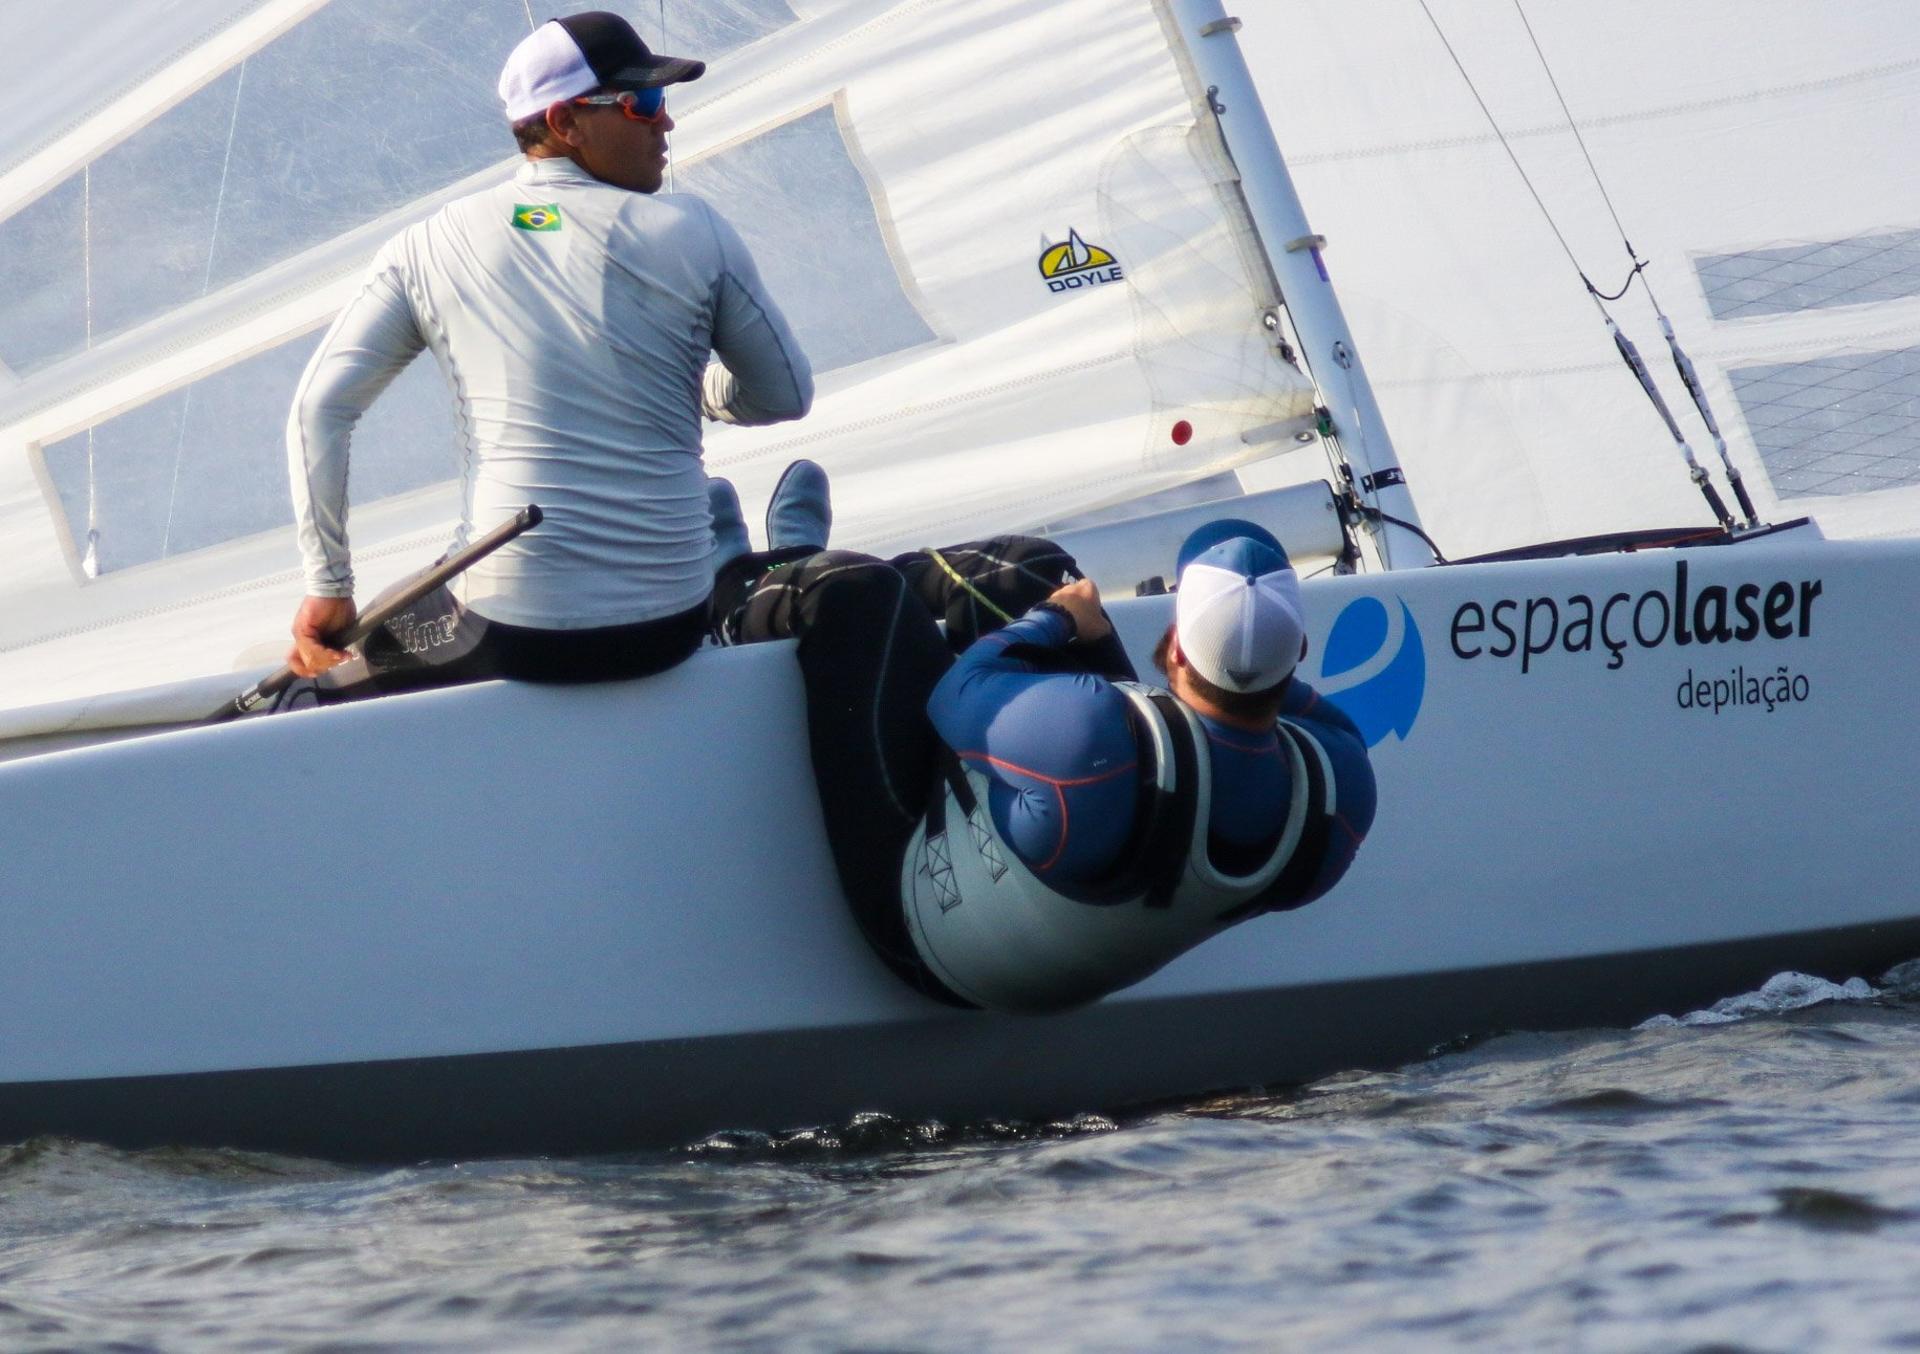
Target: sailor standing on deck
(573, 313)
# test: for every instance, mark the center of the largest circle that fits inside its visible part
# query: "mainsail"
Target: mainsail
(902, 169)
(1758, 156)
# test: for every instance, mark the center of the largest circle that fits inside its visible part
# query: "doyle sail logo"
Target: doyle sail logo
(1374, 667)
(536, 216)
(1077, 264)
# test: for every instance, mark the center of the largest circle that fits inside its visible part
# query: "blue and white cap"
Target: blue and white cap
(1238, 610)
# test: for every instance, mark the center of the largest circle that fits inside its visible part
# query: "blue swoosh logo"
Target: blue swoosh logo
(1389, 700)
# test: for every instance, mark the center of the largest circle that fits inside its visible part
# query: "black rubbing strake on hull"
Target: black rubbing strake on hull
(619, 1097)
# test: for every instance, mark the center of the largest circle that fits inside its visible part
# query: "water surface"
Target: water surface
(1744, 1181)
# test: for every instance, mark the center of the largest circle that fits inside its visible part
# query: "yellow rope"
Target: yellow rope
(972, 591)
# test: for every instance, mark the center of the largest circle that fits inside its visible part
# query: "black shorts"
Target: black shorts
(439, 642)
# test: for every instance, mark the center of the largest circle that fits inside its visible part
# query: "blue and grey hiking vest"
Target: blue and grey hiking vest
(1001, 938)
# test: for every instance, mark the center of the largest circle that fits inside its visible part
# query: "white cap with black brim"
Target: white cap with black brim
(565, 58)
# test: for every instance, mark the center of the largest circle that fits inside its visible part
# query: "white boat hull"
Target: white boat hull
(507, 919)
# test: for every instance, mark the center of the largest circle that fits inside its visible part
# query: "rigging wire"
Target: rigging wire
(90, 561)
(1629, 353)
(206, 285)
(1579, 140)
(1501, 137)
(1372, 513)
(1681, 362)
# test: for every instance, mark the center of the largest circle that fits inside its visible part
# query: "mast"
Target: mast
(1293, 252)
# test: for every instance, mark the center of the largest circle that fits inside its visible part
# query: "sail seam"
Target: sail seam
(1558, 127)
(839, 430)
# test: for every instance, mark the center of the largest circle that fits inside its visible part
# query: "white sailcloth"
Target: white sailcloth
(1759, 153)
(996, 225)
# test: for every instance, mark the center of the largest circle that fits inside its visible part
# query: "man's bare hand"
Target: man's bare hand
(1081, 601)
(317, 618)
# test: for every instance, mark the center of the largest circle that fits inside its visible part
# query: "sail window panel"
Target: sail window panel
(801, 204)
(1815, 275)
(703, 29)
(1846, 424)
(46, 74)
(43, 297)
(207, 463)
(306, 138)
(355, 111)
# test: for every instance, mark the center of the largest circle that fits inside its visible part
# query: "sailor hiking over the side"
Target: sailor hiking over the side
(1090, 831)
(573, 311)
(1028, 829)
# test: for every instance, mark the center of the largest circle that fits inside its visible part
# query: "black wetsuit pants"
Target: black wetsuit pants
(439, 642)
(870, 655)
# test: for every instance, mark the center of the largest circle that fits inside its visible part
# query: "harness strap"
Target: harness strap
(1164, 854)
(955, 773)
(1288, 891)
(1288, 888)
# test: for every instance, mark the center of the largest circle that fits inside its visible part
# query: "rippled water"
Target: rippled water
(1748, 1184)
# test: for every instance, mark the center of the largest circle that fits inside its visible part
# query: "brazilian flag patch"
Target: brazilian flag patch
(536, 216)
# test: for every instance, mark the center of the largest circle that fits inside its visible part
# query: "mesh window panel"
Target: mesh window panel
(46, 72)
(1838, 425)
(1812, 276)
(207, 463)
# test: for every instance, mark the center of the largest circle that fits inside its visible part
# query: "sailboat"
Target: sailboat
(507, 919)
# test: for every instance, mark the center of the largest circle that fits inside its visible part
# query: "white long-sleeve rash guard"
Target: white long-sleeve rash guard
(578, 355)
